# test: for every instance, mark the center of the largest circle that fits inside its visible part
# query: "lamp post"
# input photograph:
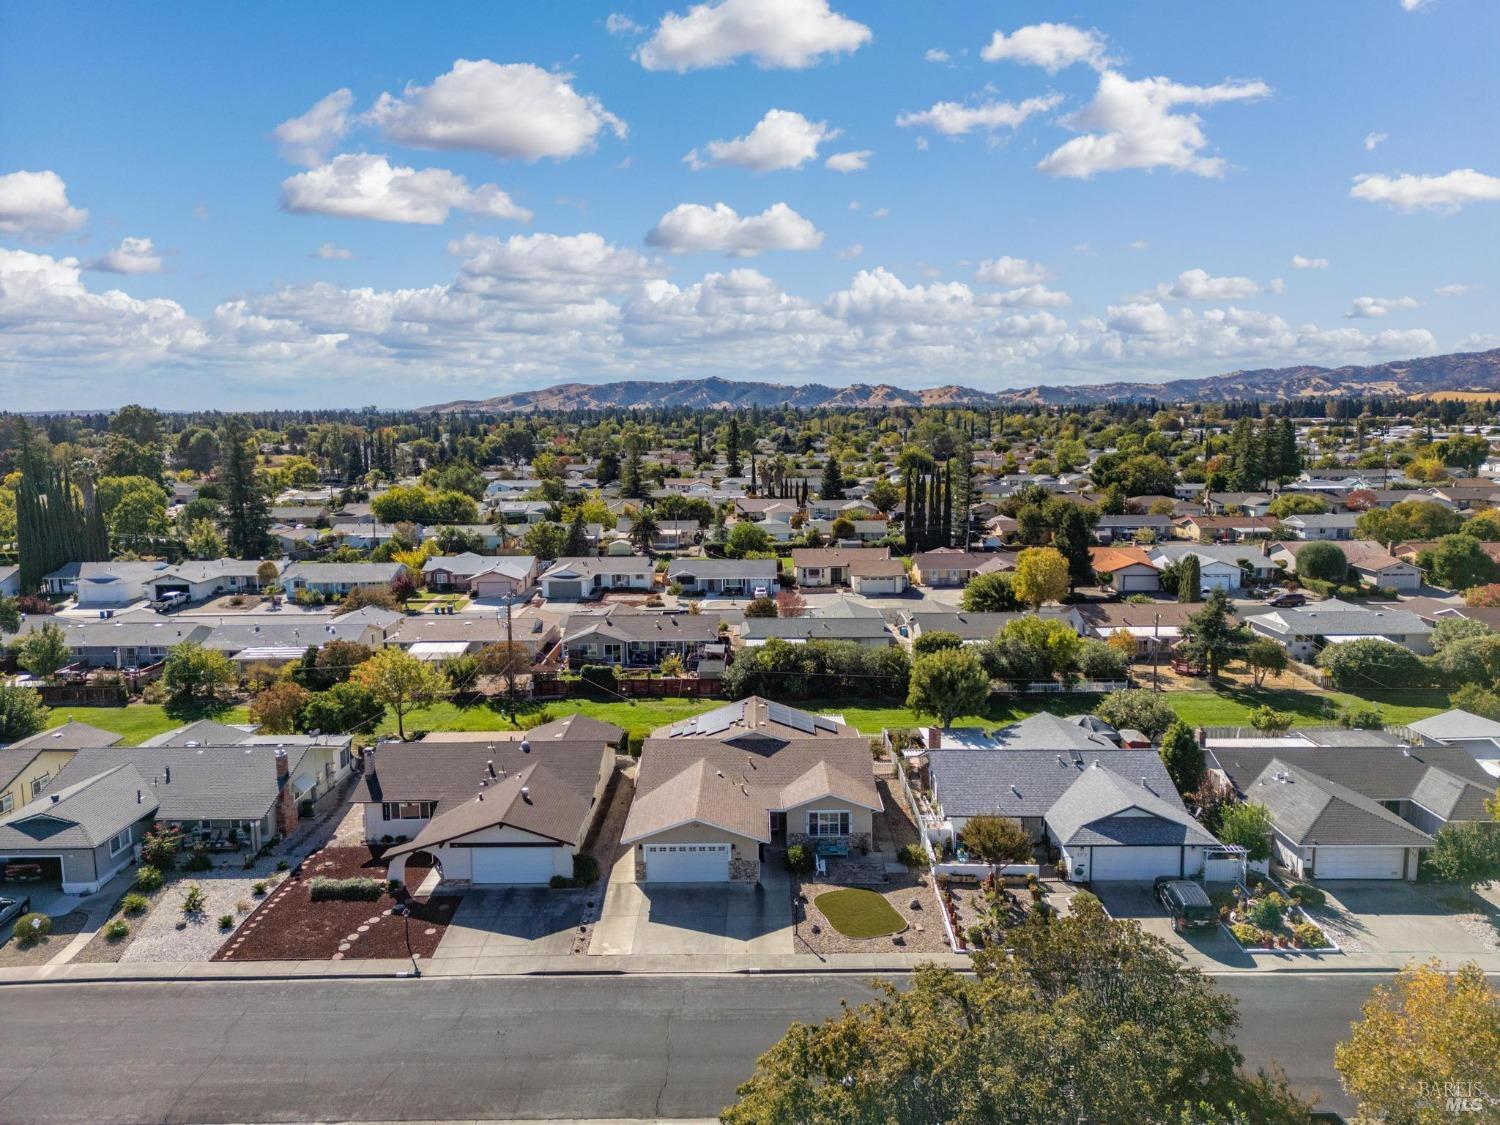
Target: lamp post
(404, 909)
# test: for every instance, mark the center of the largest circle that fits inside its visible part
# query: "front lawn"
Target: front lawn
(136, 722)
(858, 913)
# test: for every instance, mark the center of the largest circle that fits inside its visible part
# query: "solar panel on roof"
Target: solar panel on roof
(790, 717)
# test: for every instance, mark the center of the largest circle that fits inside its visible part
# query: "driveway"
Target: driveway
(513, 922)
(1394, 922)
(1206, 949)
(693, 918)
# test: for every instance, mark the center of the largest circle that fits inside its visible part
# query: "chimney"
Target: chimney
(369, 759)
(934, 738)
(286, 806)
(1202, 736)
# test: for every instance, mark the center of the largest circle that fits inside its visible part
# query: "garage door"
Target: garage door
(556, 589)
(1358, 863)
(513, 865)
(1216, 582)
(687, 863)
(1128, 582)
(1116, 864)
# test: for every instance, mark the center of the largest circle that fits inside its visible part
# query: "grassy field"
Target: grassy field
(135, 723)
(140, 721)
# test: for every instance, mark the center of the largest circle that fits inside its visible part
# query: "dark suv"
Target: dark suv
(1186, 902)
(1287, 601)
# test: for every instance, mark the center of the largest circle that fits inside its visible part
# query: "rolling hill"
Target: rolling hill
(1473, 373)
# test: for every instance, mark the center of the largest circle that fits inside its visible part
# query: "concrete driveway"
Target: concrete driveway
(1394, 922)
(693, 918)
(513, 922)
(1207, 948)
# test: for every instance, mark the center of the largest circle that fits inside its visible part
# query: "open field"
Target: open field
(136, 722)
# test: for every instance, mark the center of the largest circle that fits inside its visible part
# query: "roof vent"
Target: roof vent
(1060, 760)
(526, 793)
(1014, 790)
(56, 797)
(490, 765)
(525, 746)
(167, 774)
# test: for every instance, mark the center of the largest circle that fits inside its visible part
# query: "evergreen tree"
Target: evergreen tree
(578, 536)
(1071, 538)
(962, 467)
(1190, 580)
(832, 487)
(247, 517)
(946, 530)
(632, 487)
(732, 449)
(56, 523)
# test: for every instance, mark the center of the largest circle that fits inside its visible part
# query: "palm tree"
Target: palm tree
(643, 531)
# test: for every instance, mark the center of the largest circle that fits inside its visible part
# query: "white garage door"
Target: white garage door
(1128, 582)
(687, 863)
(1358, 863)
(1215, 582)
(513, 865)
(1134, 863)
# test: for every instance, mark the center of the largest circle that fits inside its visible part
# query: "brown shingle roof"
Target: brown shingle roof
(534, 800)
(452, 772)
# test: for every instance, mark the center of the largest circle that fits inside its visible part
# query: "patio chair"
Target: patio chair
(820, 866)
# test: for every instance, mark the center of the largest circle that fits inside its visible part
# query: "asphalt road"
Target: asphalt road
(572, 1047)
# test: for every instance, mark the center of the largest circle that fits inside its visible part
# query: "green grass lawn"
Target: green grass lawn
(137, 722)
(858, 913)
(423, 603)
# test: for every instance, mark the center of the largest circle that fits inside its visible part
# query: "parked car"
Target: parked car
(1186, 902)
(1287, 601)
(762, 592)
(13, 908)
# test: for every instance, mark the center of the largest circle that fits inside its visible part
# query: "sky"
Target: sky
(324, 205)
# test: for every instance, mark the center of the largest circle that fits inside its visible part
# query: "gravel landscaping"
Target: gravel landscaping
(923, 933)
(156, 936)
(64, 929)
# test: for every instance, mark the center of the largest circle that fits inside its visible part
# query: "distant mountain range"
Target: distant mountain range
(1463, 371)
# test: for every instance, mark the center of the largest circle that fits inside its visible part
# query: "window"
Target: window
(7, 802)
(39, 783)
(407, 810)
(828, 823)
(345, 757)
(120, 843)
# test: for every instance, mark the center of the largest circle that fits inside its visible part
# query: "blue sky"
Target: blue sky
(466, 200)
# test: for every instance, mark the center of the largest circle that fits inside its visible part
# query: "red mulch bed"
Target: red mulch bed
(289, 926)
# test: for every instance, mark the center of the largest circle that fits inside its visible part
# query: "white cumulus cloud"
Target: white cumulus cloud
(935, 54)
(329, 252)
(1300, 262)
(618, 24)
(133, 255)
(511, 110)
(1447, 192)
(1131, 124)
(1200, 285)
(1374, 140)
(782, 139)
(1455, 290)
(692, 227)
(1368, 307)
(954, 119)
(366, 186)
(37, 203)
(309, 139)
(1011, 271)
(1052, 46)
(788, 34)
(846, 162)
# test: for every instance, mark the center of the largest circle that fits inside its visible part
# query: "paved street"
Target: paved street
(582, 1047)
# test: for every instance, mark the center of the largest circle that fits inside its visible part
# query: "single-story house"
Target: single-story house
(26, 766)
(407, 786)
(1110, 529)
(829, 566)
(10, 581)
(1335, 526)
(1473, 733)
(1130, 569)
(638, 640)
(579, 579)
(947, 566)
(866, 531)
(107, 585)
(204, 579)
(1356, 812)
(1155, 627)
(711, 797)
(506, 576)
(1221, 566)
(1114, 814)
(131, 641)
(868, 631)
(1369, 561)
(1305, 631)
(453, 572)
(971, 628)
(728, 578)
(1237, 503)
(335, 580)
(1223, 529)
(83, 833)
(878, 577)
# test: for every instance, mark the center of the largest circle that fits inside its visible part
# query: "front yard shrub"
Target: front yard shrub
(148, 878)
(226, 921)
(1305, 894)
(585, 870)
(134, 903)
(1309, 936)
(31, 928)
(346, 890)
(194, 901)
(282, 865)
(1265, 913)
(258, 889)
(198, 861)
(117, 930)
(1249, 936)
(159, 849)
(799, 859)
(912, 857)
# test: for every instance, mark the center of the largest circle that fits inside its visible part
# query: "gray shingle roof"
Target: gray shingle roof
(1309, 809)
(814, 628)
(1027, 783)
(72, 735)
(82, 812)
(207, 783)
(451, 772)
(747, 569)
(1102, 808)
(550, 806)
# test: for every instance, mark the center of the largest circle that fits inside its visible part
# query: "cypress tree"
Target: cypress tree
(247, 517)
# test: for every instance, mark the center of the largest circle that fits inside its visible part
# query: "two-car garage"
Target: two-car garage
(1359, 863)
(686, 863)
(506, 865)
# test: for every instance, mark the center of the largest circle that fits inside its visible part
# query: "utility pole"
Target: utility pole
(510, 668)
(1155, 652)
